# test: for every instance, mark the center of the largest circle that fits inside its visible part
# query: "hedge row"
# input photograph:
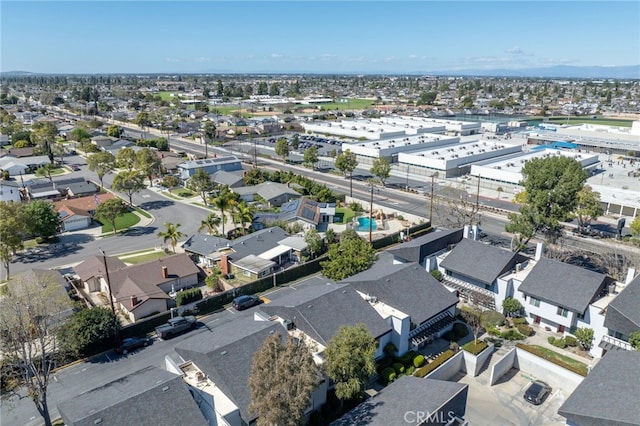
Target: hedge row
(474, 348)
(440, 359)
(524, 329)
(188, 296)
(536, 352)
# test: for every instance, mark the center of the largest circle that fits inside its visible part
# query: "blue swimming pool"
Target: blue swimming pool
(363, 224)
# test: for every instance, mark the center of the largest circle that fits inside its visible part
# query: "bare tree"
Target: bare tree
(31, 312)
(456, 208)
(473, 318)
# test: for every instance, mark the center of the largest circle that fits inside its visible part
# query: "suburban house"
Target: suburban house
(608, 396)
(77, 213)
(230, 179)
(17, 152)
(622, 317)
(472, 269)
(314, 314)
(217, 369)
(103, 141)
(22, 165)
(209, 165)
(308, 213)
(273, 193)
(252, 256)
(411, 400)
(417, 306)
(425, 249)
(10, 191)
(151, 396)
(67, 187)
(143, 289)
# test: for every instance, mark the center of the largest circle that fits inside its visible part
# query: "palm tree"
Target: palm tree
(223, 202)
(211, 223)
(243, 214)
(172, 234)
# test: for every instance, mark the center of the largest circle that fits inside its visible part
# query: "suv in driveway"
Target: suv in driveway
(245, 302)
(537, 392)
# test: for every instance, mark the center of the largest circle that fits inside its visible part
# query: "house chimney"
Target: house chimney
(165, 272)
(474, 236)
(539, 251)
(465, 232)
(134, 301)
(631, 274)
(224, 264)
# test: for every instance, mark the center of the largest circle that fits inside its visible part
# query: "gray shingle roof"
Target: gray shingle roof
(418, 248)
(204, 245)
(407, 394)
(319, 311)
(482, 262)
(226, 356)
(227, 178)
(563, 285)
(267, 190)
(147, 397)
(195, 164)
(623, 313)
(94, 267)
(407, 287)
(608, 396)
(257, 243)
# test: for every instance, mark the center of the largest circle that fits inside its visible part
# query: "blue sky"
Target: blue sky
(318, 37)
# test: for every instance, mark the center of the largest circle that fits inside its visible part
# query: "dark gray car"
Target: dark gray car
(537, 392)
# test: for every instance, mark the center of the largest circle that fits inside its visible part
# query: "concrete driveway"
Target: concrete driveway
(503, 403)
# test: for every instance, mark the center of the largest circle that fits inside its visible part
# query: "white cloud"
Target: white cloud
(276, 55)
(202, 59)
(515, 50)
(413, 56)
(172, 59)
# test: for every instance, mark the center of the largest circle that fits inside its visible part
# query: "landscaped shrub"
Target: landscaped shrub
(558, 343)
(460, 330)
(571, 341)
(494, 318)
(493, 331)
(407, 357)
(388, 374)
(511, 335)
(390, 349)
(440, 359)
(410, 370)
(398, 367)
(449, 335)
(417, 362)
(188, 296)
(535, 351)
(436, 274)
(475, 348)
(496, 342)
(524, 329)
(517, 321)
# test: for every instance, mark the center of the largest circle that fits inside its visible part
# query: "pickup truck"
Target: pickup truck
(176, 326)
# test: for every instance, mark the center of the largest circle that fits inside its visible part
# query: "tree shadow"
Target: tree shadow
(156, 205)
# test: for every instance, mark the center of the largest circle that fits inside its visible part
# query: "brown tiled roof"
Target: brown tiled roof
(86, 204)
(71, 211)
(94, 267)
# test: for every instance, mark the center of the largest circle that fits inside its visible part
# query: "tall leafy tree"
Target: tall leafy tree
(142, 120)
(79, 134)
(314, 242)
(13, 227)
(115, 131)
(89, 330)
(243, 214)
(109, 211)
(209, 134)
(171, 234)
(282, 149)
(42, 218)
(347, 162)
(148, 163)
(551, 185)
(635, 226)
(210, 223)
(348, 257)
(45, 171)
(311, 156)
(31, 313)
(283, 375)
(102, 163)
(350, 357)
(381, 169)
(128, 182)
(588, 206)
(201, 183)
(126, 158)
(45, 136)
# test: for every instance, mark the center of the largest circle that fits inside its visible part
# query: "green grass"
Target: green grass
(351, 104)
(142, 212)
(132, 253)
(587, 120)
(144, 257)
(122, 222)
(182, 192)
(567, 360)
(345, 213)
(166, 96)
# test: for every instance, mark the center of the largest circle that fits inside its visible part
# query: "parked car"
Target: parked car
(132, 343)
(537, 392)
(75, 167)
(245, 302)
(175, 326)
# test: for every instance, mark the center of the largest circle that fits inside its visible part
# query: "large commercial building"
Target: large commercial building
(452, 127)
(390, 148)
(372, 129)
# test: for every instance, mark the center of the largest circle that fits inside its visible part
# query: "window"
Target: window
(562, 311)
(581, 316)
(535, 302)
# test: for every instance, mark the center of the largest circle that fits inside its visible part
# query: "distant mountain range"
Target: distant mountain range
(558, 71)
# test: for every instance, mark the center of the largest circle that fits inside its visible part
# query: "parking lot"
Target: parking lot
(503, 403)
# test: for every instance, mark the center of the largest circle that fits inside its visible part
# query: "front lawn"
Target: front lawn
(144, 257)
(344, 215)
(182, 192)
(127, 220)
(558, 358)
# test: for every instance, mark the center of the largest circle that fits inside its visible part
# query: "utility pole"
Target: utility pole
(371, 213)
(113, 309)
(478, 196)
(433, 178)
